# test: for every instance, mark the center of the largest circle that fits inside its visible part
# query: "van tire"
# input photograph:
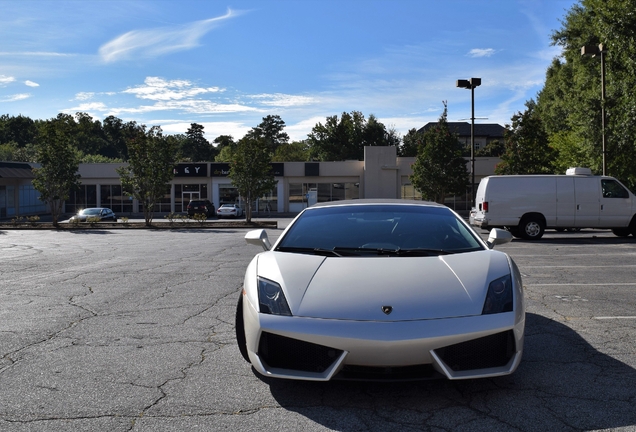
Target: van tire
(621, 232)
(531, 228)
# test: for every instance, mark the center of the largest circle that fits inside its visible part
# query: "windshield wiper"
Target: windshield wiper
(307, 250)
(393, 252)
(423, 252)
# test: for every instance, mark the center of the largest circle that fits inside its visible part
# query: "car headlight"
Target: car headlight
(499, 296)
(271, 299)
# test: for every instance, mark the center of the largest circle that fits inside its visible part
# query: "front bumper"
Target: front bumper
(479, 221)
(323, 349)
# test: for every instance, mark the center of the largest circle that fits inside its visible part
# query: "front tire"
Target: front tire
(532, 228)
(239, 326)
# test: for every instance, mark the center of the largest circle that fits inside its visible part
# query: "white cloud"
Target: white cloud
(31, 83)
(189, 106)
(481, 52)
(211, 129)
(16, 97)
(159, 89)
(283, 100)
(159, 41)
(4, 80)
(87, 108)
(84, 96)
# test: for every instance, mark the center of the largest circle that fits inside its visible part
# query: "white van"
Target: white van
(528, 204)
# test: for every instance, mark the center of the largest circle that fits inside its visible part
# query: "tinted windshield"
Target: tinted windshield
(91, 211)
(374, 227)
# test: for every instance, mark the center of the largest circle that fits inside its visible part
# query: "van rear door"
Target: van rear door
(587, 191)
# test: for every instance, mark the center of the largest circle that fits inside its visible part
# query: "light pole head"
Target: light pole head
(469, 84)
(463, 84)
(591, 50)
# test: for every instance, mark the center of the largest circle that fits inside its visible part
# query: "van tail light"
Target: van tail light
(485, 206)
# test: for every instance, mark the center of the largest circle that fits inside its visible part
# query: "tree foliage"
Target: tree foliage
(297, 151)
(410, 144)
(271, 130)
(344, 138)
(570, 102)
(250, 169)
(526, 147)
(59, 163)
(195, 147)
(439, 169)
(151, 159)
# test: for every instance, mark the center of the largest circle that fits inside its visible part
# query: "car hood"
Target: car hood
(358, 288)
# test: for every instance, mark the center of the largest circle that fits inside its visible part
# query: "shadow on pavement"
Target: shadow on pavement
(562, 384)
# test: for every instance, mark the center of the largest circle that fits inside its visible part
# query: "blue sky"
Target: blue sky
(227, 64)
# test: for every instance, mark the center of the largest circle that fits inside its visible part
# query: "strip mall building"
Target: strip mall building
(299, 184)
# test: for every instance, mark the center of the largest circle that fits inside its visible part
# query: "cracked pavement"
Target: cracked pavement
(134, 331)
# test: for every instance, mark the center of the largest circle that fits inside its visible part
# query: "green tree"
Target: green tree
(527, 150)
(571, 98)
(494, 148)
(57, 175)
(345, 138)
(250, 169)
(20, 130)
(225, 147)
(151, 159)
(117, 133)
(195, 147)
(297, 151)
(271, 129)
(410, 144)
(440, 169)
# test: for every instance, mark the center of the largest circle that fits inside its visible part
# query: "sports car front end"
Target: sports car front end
(381, 309)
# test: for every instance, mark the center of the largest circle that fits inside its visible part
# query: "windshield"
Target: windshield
(91, 211)
(379, 230)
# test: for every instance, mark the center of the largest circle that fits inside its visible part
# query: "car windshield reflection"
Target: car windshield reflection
(374, 230)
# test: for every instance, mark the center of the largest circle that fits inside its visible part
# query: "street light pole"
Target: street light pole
(594, 51)
(471, 84)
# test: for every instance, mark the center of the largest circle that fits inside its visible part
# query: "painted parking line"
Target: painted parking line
(614, 317)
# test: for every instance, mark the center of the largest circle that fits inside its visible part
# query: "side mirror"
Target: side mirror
(258, 238)
(498, 236)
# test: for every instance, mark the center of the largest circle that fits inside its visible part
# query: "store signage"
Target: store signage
(219, 169)
(191, 170)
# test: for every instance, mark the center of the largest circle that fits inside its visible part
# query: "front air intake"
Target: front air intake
(287, 353)
(487, 352)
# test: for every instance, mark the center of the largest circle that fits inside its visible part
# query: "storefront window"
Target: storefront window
(303, 194)
(228, 194)
(409, 192)
(113, 197)
(84, 197)
(30, 200)
(183, 193)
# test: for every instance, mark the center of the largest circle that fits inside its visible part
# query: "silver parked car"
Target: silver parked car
(388, 289)
(103, 213)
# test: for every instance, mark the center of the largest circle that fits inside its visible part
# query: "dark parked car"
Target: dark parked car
(102, 213)
(200, 206)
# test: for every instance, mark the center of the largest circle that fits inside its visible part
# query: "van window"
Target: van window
(613, 189)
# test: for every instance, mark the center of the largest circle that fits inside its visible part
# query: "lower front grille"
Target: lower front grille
(287, 353)
(487, 352)
(399, 373)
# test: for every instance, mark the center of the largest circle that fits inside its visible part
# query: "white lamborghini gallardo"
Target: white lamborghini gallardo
(377, 290)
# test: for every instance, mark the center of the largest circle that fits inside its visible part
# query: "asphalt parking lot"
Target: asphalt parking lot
(116, 330)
